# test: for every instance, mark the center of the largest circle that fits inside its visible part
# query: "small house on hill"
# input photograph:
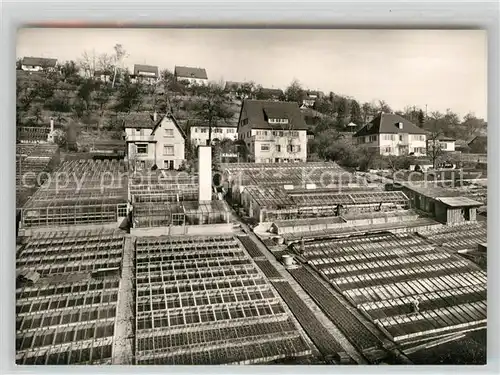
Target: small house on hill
(274, 132)
(154, 140)
(38, 64)
(145, 73)
(392, 134)
(478, 144)
(192, 75)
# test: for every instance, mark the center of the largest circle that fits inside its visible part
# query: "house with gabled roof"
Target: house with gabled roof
(191, 75)
(478, 144)
(38, 64)
(392, 134)
(274, 132)
(154, 140)
(145, 73)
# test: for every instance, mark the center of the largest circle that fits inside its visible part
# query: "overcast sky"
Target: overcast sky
(443, 69)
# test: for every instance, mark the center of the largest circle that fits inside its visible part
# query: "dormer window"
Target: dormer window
(278, 121)
(400, 125)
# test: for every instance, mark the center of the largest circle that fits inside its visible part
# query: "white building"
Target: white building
(274, 132)
(154, 140)
(392, 135)
(311, 97)
(145, 73)
(445, 143)
(38, 64)
(192, 75)
(199, 133)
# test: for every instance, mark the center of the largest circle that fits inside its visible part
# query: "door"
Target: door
(171, 164)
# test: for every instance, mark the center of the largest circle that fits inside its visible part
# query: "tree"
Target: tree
(69, 69)
(471, 125)
(383, 107)
(130, 95)
(88, 62)
(295, 92)
(245, 90)
(212, 108)
(324, 106)
(19, 64)
(356, 113)
(120, 55)
(37, 114)
(434, 149)
(85, 92)
(366, 111)
(341, 112)
(421, 118)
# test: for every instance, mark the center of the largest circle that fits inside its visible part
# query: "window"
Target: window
(373, 138)
(387, 150)
(401, 138)
(278, 148)
(195, 130)
(231, 130)
(141, 132)
(168, 150)
(169, 133)
(264, 147)
(142, 149)
(249, 134)
(203, 130)
(444, 145)
(244, 121)
(295, 134)
(292, 148)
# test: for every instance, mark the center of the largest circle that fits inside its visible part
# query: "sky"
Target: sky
(438, 68)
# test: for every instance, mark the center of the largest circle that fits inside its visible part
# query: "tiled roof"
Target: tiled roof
(187, 72)
(258, 111)
(387, 123)
(39, 61)
(139, 120)
(138, 69)
(275, 92)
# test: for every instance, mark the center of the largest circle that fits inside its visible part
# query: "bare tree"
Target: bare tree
(434, 148)
(120, 55)
(105, 63)
(88, 62)
(212, 107)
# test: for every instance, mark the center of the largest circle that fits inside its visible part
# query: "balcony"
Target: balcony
(267, 138)
(140, 138)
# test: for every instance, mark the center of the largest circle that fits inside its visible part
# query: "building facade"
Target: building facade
(145, 74)
(199, 133)
(392, 134)
(446, 144)
(196, 76)
(274, 132)
(155, 141)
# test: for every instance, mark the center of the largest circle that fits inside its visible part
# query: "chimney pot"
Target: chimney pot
(51, 124)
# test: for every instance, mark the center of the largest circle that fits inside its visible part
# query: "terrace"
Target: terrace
(202, 300)
(67, 316)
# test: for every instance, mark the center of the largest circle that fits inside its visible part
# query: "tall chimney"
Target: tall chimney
(205, 173)
(155, 116)
(51, 124)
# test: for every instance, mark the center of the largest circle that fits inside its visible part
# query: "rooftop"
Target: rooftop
(188, 72)
(388, 123)
(139, 68)
(259, 111)
(39, 61)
